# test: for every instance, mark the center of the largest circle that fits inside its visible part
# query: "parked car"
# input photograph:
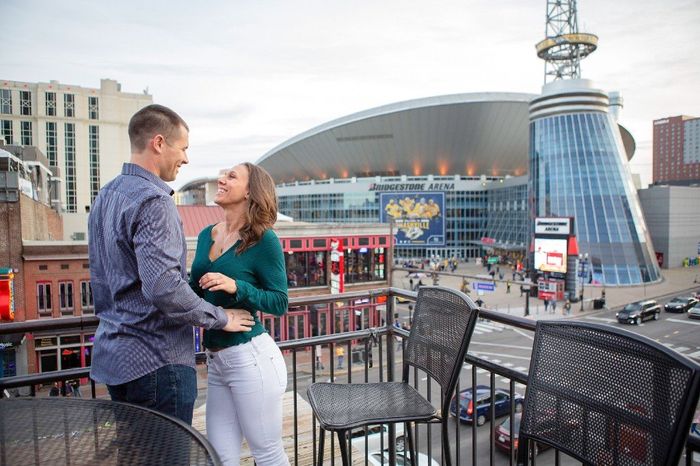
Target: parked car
(634, 313)
(375, 435)
(694, 312)
(503, 435)
(468, 412)
(680, 304)
(402, 459)
(504, 429)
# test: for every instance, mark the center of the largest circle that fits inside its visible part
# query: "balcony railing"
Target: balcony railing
(372, 354)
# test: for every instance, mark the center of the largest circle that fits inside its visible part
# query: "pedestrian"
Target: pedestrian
(240, 260)
(75, 388)
(54, 390)
(340, 353)
(137, 255)
(554, 306)
(508, 287)
(319, 363)
(567, 307)
(546, 305)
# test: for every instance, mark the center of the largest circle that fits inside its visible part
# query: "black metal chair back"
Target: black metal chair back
(606, 396)
(443, 322)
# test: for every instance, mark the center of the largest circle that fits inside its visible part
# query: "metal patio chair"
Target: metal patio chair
(607, 396)
(443, 322)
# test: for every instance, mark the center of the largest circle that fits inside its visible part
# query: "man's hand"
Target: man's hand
(239, 320)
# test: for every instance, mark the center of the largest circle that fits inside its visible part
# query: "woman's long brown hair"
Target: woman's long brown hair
(262, 206)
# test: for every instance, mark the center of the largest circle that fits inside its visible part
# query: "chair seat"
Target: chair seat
(346, 406)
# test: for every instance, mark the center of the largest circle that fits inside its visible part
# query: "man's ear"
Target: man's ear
(157, 142)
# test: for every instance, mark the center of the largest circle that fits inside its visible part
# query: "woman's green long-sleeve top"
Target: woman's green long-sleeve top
(260, 277)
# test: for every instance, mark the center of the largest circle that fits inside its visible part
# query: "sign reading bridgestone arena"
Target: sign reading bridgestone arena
(418, 217)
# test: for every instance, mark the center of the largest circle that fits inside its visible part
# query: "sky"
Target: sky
(247, 75)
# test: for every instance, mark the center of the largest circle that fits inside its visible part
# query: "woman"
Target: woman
(239, 263)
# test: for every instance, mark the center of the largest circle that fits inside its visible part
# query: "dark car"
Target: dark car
(634, 313)
(503, 435)
(468, 411)
(504, 429)
(680, 304)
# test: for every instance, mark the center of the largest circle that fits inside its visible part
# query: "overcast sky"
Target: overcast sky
(248, 75)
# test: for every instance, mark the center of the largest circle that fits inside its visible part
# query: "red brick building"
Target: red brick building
(676, 150)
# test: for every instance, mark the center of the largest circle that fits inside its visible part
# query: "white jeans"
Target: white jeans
(244, 400)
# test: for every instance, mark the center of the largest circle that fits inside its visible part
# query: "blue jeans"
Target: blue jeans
(172, 390)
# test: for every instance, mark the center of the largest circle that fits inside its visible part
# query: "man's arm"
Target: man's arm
(158, 243)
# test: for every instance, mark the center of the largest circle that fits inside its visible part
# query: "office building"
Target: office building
(82, 131)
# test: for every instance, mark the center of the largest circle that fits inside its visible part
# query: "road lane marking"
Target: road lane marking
(604, 319)
(500, 345)
(683, 321)
(695, 355)
(523, 334)
(680, 349)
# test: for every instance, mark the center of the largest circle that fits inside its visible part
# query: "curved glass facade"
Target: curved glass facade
(578, 169)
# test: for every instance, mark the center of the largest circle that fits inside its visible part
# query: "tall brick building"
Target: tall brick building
(676, 150)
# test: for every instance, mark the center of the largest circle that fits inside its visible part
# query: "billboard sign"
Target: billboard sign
(552, 226)
(418, 217)
(550, 255)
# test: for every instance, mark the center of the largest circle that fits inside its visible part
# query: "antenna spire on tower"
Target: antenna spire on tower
(564, 47)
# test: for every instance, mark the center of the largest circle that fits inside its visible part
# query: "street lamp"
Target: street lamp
(583, 267)
(526, 289)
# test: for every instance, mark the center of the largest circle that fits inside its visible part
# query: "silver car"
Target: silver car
(694, 312)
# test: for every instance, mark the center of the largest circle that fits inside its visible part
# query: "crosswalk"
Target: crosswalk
(487, 326)
(480, 371)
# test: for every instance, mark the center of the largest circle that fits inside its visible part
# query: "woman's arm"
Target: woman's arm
(271, 294)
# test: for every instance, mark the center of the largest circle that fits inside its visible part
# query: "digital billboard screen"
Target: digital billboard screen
(550, 255)
(418, 217)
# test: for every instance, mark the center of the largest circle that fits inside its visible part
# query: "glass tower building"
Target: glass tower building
(578, 169)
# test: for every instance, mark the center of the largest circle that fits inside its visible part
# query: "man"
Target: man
(143, 349)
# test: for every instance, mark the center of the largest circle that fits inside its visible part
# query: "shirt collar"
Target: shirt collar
(136, 170)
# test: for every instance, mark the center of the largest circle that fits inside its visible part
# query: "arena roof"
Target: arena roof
(459, 134)
(469, 134)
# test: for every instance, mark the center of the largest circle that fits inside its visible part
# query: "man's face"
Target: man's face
(174, 154)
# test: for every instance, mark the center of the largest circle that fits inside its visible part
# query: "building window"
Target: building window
(6, 101)
(65, 266)
(94, 145)
(26, 133)
(51, 143)
(65, 297)
(71, 201)
(25, 103)
(69, 105)
(306, 269)
(43, 299)
(50, 104)
(86, 302)
(6, 131)
(94, 108)
(43, 267)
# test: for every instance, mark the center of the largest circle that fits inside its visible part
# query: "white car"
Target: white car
(402, 459)
(375, 435)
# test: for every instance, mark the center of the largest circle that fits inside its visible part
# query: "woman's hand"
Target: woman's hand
(214, 281)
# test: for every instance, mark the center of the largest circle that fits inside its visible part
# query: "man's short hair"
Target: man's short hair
(151, 120)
